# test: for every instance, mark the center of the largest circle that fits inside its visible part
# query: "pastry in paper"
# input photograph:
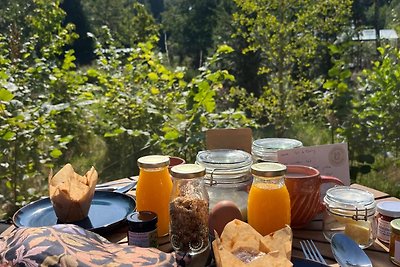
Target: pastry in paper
(71, 193)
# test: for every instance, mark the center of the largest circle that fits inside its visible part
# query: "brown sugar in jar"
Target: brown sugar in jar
(387, 212)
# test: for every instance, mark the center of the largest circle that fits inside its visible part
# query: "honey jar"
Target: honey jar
(394, 247)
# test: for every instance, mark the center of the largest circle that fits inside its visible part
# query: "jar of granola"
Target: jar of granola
(188, 210)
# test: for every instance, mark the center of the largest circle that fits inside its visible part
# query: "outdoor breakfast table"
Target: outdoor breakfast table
(378, 252)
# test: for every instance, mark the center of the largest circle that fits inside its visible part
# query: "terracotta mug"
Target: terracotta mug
(303, 184)
(173, 161)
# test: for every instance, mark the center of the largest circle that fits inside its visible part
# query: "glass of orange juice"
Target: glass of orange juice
(154, 188)
(268, 207)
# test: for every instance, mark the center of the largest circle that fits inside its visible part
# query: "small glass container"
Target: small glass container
(266, 149)
(394, 247)
(350, 211)
(189, 210)
(387, 211)
(142, 229)
(227, 176)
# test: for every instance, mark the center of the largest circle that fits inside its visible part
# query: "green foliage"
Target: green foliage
(290, 36)
(146, 107)
(29, 142)
(128, 21)
(189, 28)
(381, 99)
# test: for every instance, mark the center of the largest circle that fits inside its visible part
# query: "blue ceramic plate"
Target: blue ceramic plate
(107, 211)
(299, 262)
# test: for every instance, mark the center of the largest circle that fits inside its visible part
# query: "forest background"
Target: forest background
(98, 82)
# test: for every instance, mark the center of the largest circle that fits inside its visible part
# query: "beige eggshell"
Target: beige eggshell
(222, 213)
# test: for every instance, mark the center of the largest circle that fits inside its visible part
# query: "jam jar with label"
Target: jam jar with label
(142, 229)
(387, 211)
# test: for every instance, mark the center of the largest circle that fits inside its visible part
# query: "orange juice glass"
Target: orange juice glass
(154, 189)
(268, 206)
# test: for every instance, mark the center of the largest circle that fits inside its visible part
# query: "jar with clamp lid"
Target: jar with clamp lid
(188, 210)
(266, 149)
(350, 211)
(227, 176)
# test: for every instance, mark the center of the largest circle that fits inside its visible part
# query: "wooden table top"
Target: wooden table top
(378, 252)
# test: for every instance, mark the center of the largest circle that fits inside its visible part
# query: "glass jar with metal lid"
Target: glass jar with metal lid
(266, 149)
(189, 210)
(153, 189)
(350, 211)
(228, 176)
(269, 201)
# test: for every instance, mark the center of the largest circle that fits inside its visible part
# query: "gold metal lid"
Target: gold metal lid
(268, 169)
(188, 171)
(153, 161)
(395, 226)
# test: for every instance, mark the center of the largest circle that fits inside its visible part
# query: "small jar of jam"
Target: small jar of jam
(387, 211)
(142, 229)
(394, 247)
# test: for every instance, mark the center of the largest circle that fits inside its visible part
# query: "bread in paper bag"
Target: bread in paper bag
(71, 194)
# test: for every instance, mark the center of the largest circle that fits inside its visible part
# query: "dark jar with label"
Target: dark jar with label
(142, 229)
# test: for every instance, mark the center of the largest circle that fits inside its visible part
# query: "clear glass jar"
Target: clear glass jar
(266, 149)
(227, 177)
(269, 201)
(189, 210)
(350, 211)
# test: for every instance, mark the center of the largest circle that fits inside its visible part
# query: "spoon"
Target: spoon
(347, 252)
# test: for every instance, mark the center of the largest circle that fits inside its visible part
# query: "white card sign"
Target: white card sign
(330, 160)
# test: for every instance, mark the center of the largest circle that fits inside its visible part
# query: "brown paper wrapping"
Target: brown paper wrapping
(71, 194)
(240, 238)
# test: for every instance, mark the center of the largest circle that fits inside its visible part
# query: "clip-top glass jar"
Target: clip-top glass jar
(153, 189)
(269, 201)
(189, 210)
(266, 149)
(227, 177)
(350, 211)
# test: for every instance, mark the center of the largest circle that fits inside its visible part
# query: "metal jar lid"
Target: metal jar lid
(225, 165)
(188, 171)
(395, 226)
(142, 221)
(153, 161)
(350, 202)
(389, 208)
(268, 169)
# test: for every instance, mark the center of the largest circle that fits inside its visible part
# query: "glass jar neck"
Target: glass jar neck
(277, 180)
(155, 169)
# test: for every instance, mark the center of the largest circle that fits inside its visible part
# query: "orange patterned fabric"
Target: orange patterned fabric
(71, 245)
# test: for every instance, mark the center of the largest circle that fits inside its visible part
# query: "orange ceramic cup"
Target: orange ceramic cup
(173, 161)
(303, 184)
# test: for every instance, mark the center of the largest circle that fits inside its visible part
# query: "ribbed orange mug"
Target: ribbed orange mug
(303, 184)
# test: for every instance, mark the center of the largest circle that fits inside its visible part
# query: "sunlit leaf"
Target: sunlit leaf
(8, 136)
(6, 95)
(56, 153)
